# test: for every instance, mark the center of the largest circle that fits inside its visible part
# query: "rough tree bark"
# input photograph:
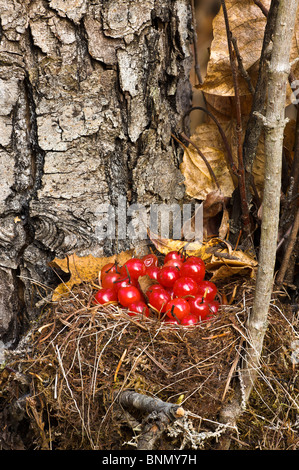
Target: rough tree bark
(157, 416)
(90, 94)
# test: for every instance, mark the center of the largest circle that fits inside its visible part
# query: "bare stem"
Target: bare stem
(274, 123)
(241, 172)
(289, 249)
(261, 6)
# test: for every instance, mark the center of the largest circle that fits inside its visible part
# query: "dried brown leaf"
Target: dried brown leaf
(144, 283)
(83, 268)
(247, 25)
(198, 180)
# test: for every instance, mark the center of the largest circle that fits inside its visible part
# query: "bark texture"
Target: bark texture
(90, 94)
(274, 123)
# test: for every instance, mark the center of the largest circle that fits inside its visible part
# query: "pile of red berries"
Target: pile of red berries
(179, 295)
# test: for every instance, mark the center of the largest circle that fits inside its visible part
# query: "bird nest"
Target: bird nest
(78, 358)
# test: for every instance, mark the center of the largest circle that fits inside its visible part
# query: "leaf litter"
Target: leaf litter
(78, 357)
(61, 385)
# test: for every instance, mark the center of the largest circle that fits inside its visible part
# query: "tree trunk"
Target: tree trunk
(90, 95)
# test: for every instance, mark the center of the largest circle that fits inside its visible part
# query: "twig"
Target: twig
(254, 124)
(262, 7)
(244, 72)
(284, 237)
(157, 363)
(232, 369)
(203, 157)
(196, 64)
(221, 131)
(289, 249)
(159, 415)
(119, 364)
(216, 336)
(241, 172)
(70, 389)
(146, 404)
(295, 166)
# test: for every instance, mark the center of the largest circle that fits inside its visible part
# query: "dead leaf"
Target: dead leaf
(144, 283)
(221, 260)
(83, 268)
(247, 24)
(213, 204)
(198, 181)
(225, 272)
(204, 250)
(224, 225)
(165, 245)
(226, 262)
(224, 107)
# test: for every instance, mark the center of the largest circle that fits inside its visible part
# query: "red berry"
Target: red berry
(174, 262)
(177, 308)
(194, 259)
(194, 269)
(158, 298)
(199, 307)
(109, 280)
(123, 282)
(214, 306)
(150, 260)
(189, 319)
(128, 294)
(185, 286)
(152, 272)
(168, 275)
(139, 307)
(154, 287)
(207, 289)
(174, 255)
(108, 268)
(103, 296)
(170, 291)
(134, 267)
(172, 320)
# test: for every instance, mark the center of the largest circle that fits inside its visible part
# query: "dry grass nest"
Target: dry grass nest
(77, 358)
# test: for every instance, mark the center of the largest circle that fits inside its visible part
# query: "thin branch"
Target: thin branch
(221, 131)
(159, 415)
(241, 172)
(289, 250)
(278, 72)
(262, 7)
(203, 157)
(196, 63)
(146, 404)
(254, 124)
(275, 122)
(295, 166)
(243, 72)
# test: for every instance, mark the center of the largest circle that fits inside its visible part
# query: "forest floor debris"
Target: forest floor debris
(59, 389)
